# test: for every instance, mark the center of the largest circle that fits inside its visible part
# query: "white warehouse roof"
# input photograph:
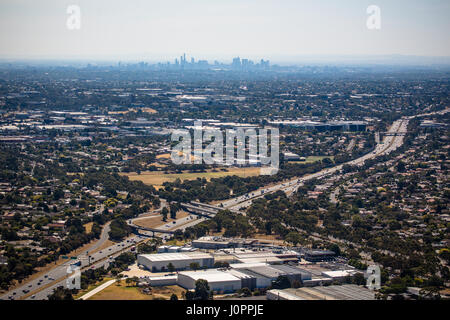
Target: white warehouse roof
(173, 256)
(338, 273)
(210, 275)
(247, 265)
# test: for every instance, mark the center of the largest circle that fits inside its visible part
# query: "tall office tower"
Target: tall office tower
(245, 63)
(192, 60)
(264, 64)
(236, 64)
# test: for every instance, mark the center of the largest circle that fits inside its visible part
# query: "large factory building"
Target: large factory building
(180, 260)
(219, 281)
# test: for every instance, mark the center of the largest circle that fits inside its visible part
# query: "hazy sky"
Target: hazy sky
(164, 29)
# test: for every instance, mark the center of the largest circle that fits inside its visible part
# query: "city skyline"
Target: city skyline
(289, 31)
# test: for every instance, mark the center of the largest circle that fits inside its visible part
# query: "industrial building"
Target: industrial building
(324, 126)
(180, 260)
(218, 280)
(319, 255)
(263, 274)
(339, 275)
(289, 156)
(241, 275)
(252, 276)
(172, 249)
(336, 292)
(247, 268)
(215, 242)
(266, 256)
(162, 281)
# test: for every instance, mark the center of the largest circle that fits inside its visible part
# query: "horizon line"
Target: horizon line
(274, 59)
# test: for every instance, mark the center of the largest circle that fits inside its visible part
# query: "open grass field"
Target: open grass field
(166, 292)
(123, 292)
(120, 292)
(90, 288)
(312, 159)
(157, 178)
(88, 226)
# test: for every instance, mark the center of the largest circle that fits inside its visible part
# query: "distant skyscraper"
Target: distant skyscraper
(236, 63)
(264, 64)
(245, 63)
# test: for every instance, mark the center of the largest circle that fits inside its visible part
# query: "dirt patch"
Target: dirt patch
(156, 221)
(88, 227)
(268, 238)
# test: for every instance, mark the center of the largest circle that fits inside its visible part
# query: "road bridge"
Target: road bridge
(135, 228)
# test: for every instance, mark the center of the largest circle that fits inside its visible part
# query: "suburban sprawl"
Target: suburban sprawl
(88, 181)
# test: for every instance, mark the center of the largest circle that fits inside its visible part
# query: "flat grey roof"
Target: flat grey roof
(334, 292)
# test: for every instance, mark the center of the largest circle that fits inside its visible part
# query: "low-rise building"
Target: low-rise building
(336, 292)
(219, 281)
(319, 255)
(179, 260)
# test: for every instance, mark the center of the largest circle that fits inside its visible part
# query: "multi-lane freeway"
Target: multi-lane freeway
(392, 140)
(389, 144)
(99, 259)
(55, 277)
